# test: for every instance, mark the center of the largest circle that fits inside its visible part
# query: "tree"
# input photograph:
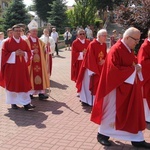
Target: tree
(136, 14)
(15, 14)
(83, 13)
(42, 7)
(57, 15)
(1, 24)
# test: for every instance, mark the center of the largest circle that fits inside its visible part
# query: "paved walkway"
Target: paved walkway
(60, 123)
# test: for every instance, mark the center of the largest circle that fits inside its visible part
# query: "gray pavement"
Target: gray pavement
(60, 123)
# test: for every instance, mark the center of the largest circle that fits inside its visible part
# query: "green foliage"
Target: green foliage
(16, 13)
(98, 22)
(57, 15)
(83, 13)
(1, 24)
(42, 7)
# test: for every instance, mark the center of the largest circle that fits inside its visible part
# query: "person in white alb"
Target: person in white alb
(55, 36)
(50, 46)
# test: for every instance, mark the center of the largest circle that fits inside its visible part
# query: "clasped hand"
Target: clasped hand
(20, 52)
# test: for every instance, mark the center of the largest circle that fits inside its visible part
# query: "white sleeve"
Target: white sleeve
(90, 73)
(131, 79)
(26, 57)
(52, 45)
(80, 56)
(12, 58)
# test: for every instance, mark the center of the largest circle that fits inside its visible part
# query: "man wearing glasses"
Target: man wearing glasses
(118, 107)
(14, 68)
(144, 60)
(79, 47)
(89, 74)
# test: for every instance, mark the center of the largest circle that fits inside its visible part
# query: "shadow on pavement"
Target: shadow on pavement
(87, 109)
(27, 118)
(59, 56)
(37, 116)
(58, 85)
(117, 145)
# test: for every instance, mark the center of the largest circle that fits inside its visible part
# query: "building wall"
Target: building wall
(3, 5)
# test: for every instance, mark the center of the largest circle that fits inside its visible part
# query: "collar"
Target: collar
(126, 45)
(33, 39)
(99, 41)
(17, 40)
(82, 41)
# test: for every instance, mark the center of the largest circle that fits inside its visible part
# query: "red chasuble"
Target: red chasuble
(144, 60)
(95, 53)
(77, 47)
(38, 70)
(119, 65)
(36, 64)
(15, 76)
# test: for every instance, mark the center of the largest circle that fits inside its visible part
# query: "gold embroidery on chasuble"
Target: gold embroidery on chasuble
(37, 80)
(101, 55)
(36, 58)
(37, 68)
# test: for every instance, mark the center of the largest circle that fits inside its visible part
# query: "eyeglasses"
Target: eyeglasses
(82, 34)
(17, 30)
(136, 40)
(104, 35)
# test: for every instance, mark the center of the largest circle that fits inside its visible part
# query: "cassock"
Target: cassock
(118, 107)
(37, 70)
(90, 71)
(14, 72)
(144, 60)
(78, 47)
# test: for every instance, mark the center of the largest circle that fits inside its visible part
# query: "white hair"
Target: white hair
(130, 31)
(101, 31)
(80, 30)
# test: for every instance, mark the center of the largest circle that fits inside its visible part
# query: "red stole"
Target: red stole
(36, 65)
(129, 104)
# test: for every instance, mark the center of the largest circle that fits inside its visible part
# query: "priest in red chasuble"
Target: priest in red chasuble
(90, 71)
(37, 69)
(79, 47)
(118, 106)
(144, 60)
(14, 70)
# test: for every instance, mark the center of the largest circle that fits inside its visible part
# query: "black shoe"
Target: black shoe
(84, 104)
(42, 97)
(14, 106)
(31, 96)
(141, 144)
(29, 106)
(102, 139)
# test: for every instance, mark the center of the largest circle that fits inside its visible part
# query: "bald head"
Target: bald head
(131, 31)
(131, 37)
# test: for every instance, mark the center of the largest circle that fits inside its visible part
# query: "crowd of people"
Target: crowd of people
(116, 83)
